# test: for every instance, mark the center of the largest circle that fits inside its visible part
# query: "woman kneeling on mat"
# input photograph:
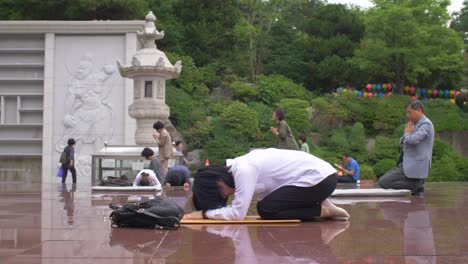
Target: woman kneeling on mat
(288, 184)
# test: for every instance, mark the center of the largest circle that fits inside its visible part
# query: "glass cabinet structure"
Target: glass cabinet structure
(123, 160)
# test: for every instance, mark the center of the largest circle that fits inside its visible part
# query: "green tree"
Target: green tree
(73, 10)
(208, 29)
(460, 24)
(399, 43)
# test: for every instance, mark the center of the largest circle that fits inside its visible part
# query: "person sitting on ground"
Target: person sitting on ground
(303, 143)
(146, 178)
(351, 172)
(178, 175)
(155, 164)
(288, 185)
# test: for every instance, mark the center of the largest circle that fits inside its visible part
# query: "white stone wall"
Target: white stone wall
(89, 96)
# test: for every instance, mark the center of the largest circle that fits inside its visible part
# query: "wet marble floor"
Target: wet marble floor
(66, 224)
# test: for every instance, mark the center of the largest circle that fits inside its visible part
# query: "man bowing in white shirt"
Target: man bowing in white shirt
(288, 185)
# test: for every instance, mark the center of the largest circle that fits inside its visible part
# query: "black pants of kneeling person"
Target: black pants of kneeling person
(293, 202)
(65, 172)
(396, 179)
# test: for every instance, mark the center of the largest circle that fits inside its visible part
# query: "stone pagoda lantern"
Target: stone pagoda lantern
(149, 69)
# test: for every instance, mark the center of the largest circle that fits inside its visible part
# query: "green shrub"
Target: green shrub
(385, 148)
(367, 173)
(338, 142)
(357, 138)
(192, 79)
(446, 116)
(198, 134)
(265, 120)
(240, 121)
(383, 166)
(180, 104)
(243, 91)
(447, 164)
(389, 113)
(297, 115)
(218, 150)
(273, 88)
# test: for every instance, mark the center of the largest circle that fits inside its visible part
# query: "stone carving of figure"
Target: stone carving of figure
(88, 114)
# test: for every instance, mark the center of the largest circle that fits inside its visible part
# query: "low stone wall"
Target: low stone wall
(21, 169)
(458, 140)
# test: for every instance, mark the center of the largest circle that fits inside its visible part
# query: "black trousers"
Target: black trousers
(346, 179)
(396, 179)
(292, 202)
(65, 172)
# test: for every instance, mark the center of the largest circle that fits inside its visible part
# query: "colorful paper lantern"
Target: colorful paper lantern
(407, 88)
(423, 91)
(426, 99)
(452, 92)
(414, 98)
(389, 93)
(457, 93)
(435, 92)
(452, 100)
(359, 94)
(384, 86)
(366, 94)
(370, 95)
(447, 92)
(418, 91)
(412, 89)
(379, 87)
(429, 92)
(369, 86)
(389, 86)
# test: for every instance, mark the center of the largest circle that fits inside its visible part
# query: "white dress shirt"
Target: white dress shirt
(263, 171)
(153, 179)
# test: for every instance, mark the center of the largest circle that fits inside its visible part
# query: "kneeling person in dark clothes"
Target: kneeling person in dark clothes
(351, 171)
(178, 175)
(288, 184)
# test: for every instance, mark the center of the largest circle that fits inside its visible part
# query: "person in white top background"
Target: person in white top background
(288, 185)
(146, 177)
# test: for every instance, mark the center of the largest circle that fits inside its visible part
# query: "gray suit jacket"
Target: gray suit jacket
(417, 149)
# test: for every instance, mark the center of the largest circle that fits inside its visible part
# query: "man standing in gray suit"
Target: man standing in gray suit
(415, 160)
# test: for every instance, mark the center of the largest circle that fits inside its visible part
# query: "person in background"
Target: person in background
(164, 142)
(351, 172)
(283, 132)
(414, 164)
(179, 145)
(146, 178)
(155, 164)
(303, 143)
(178, 175)
(69, 164)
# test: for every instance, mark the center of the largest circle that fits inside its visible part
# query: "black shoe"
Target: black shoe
(419, 192)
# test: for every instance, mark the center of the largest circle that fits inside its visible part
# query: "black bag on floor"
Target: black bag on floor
(155, 213)
(116, 181)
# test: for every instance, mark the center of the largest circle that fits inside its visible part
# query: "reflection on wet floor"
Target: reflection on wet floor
(70, 224)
